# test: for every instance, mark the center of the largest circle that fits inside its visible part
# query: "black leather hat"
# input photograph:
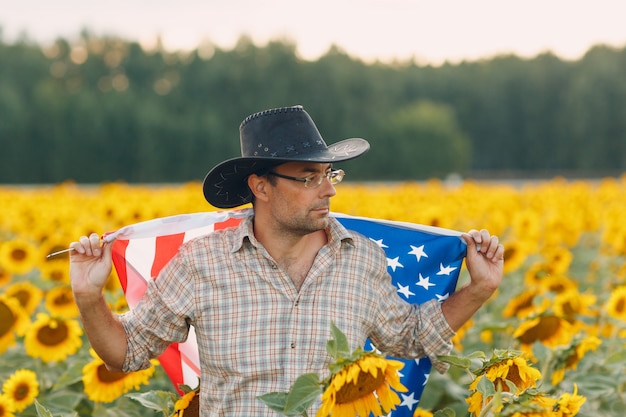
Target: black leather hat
(269, 138)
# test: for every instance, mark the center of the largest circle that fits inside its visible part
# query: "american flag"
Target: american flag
(424, 263)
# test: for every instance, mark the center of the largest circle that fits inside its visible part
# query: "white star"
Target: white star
(424, 282)
(404, 290)
(409, 400)
(442, 297)
(445, 270)
(393, 263)
(418, 252)
(380, 243)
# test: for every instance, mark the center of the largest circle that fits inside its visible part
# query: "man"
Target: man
(261, 296)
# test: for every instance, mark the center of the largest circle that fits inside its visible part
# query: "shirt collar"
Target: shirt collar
(336, 232)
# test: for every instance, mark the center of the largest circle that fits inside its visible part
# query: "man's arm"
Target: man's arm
(90, 267)
(484, 261)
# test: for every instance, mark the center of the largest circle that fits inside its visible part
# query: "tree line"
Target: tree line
(105, 109)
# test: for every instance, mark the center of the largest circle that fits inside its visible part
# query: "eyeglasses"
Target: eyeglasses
(313, 181)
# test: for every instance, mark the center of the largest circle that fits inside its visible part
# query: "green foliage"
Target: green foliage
(104, 109)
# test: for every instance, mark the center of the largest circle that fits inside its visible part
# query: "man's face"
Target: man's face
(295, 207)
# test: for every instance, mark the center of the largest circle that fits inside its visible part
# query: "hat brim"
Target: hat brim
(225, 185)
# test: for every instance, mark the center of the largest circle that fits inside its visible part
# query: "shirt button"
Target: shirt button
(274, 266)
(293, 345)
(296, 303)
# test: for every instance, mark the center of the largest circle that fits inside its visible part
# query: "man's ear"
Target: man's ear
(259, 186)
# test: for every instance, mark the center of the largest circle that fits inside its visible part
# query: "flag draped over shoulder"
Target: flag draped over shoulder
(424, 263)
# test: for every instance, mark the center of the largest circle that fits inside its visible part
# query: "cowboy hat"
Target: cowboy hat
(269, 138)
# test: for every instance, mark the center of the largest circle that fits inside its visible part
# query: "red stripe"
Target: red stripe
(231, 222)
(118, 257)
(165, 249)
(170, 361)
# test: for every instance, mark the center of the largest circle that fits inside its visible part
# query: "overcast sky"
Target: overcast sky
(430, 31)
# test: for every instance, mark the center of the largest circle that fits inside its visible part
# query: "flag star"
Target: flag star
(426, 376)
(404, 290)
(379, 242)
(424, 282)
(418, 252)
(442, 297)
(445, 270)
(394, 263)
(409, 400)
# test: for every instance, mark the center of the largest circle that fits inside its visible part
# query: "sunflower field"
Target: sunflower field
(552, 338)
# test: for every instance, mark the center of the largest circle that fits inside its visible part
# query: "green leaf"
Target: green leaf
(276, 401)
(486, 387)
(303, 393)
(446, 412)
(616, 358)
(73, 375)
(459, 361)
(42, 411)
(156, 400)
(338, 346)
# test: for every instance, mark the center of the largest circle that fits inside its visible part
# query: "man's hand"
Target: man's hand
(90, 265)
(485, 262)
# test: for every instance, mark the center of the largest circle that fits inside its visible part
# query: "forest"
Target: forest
(96, 109)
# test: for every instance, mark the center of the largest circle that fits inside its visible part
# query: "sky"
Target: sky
(429, 32)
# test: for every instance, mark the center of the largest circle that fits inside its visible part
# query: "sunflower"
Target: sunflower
(363, 387)
(188, 404)
(571, 303)
(616, 305)
(503, 368)
(27, 294)
(559, 258)
(569, 356)
(569, 404)
(13, 320)
(516, 252)
(60, 302)
(549, 329)
(102, 385)
(18, 256)
(58, 272)
(22, 388)
(7, 408)
(523, 305)
(558, 284)
(52, 339)
(5, 278)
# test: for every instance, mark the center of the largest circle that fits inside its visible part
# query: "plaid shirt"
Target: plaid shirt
(256, 333)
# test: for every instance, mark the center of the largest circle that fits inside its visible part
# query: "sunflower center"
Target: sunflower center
(366, 383)
(620, 305)
(18, 254)
(7, 319)
(53, 334)
(21, 392)
(546, 327)
(62, 299)
(22, 296)
(106, 376)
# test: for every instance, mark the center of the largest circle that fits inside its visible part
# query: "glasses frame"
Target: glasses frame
(334, 176)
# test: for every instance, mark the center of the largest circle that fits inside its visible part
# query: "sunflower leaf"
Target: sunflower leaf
(458, 361)
(154, 400)
(338, 346)
(446, 412)
(41, 410)
(303, 393)
(276, 401)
